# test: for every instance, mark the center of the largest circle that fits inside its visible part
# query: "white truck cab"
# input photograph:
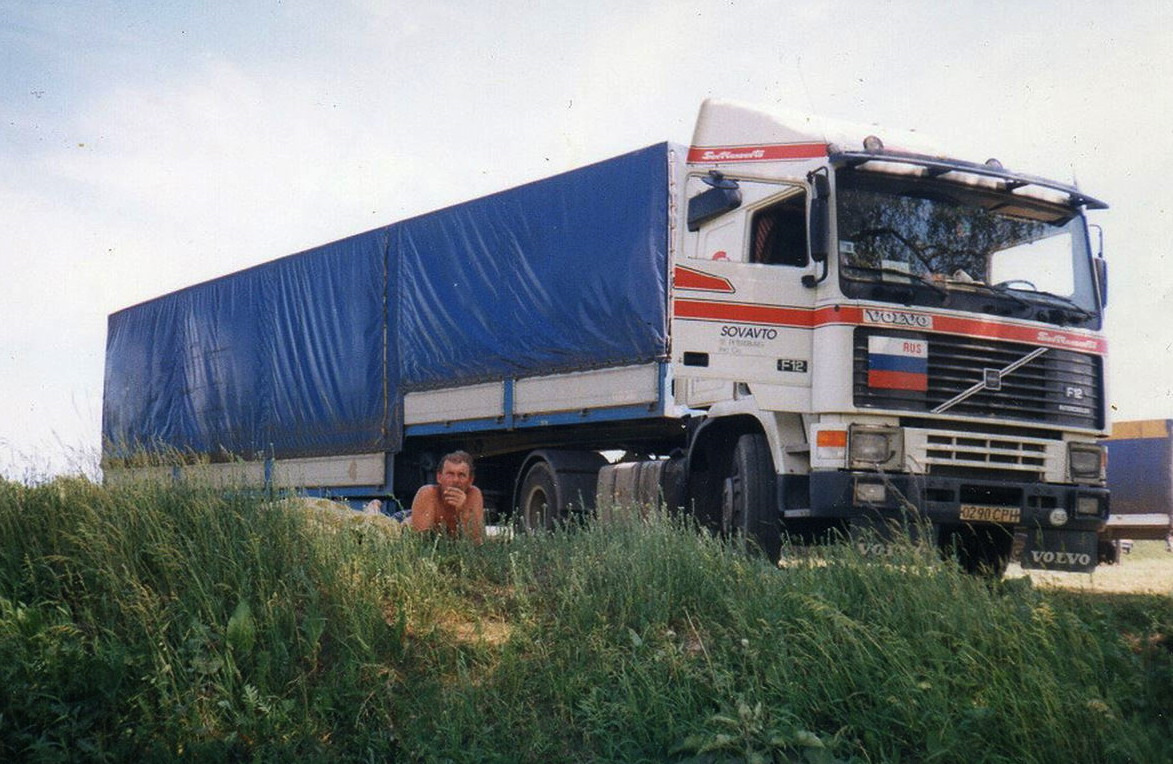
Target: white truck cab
(891, 335)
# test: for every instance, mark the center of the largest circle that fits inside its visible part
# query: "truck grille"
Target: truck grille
(1060, 387)
(963, 454)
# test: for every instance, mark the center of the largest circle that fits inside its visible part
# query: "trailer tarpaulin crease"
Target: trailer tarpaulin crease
(284, 359)
(559, 275)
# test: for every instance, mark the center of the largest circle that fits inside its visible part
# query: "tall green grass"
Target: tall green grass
(161, 623)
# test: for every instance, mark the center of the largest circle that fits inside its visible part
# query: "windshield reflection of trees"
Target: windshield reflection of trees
(928, 236)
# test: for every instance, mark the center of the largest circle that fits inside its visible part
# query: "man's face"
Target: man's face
(454, 475)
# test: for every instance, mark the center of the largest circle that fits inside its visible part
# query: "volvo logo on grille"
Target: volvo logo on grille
(991, 380)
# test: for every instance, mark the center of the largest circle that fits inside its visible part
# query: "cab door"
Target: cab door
(742, 319)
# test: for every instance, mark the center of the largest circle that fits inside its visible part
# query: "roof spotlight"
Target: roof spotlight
(994, 164)
(873, 143)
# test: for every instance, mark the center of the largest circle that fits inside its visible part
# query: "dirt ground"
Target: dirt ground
(1148, 569)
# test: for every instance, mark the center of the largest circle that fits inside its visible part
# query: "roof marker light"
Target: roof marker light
(994, 163)
(873, 143)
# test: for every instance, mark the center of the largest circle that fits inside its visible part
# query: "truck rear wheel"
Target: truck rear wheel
(557, 486)
(1108, 551)
(748, 502)
(538, 503)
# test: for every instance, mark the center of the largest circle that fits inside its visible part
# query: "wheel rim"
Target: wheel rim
(537, 509)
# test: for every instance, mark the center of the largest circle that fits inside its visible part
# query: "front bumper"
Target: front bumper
(1028, 509)
(834, 494)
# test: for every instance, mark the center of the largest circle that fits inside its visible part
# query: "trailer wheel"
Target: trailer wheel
(748, 497)
(538, 502)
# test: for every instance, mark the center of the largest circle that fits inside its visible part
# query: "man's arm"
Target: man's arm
(473, 516)
(423, 510)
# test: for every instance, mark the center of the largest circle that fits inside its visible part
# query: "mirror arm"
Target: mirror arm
(810, 282)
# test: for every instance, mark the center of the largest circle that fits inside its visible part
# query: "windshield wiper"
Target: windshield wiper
(1067, 309)
(1001, 291)
(911, 277)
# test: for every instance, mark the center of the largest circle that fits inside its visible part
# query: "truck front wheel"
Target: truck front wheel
(982, 549)
(748, 501)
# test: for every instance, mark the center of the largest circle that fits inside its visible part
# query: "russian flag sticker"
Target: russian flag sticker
(898, 363)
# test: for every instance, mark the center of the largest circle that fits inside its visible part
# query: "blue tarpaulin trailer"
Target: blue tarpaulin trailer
(310, 357)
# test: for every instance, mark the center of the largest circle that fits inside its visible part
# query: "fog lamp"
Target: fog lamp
(1087, 505)
(1085, 461)
(870, 493)
(1058, 516)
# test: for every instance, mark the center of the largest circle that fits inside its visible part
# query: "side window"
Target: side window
(778, 233)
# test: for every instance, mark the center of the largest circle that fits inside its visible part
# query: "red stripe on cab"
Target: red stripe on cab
(687, 278)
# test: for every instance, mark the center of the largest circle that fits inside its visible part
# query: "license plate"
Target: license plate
(981, 513)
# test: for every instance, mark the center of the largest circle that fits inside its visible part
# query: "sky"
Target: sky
(147, 146)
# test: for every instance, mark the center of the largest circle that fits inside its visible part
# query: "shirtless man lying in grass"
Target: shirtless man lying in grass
(452, 504)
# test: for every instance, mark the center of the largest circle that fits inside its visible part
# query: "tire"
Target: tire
(1108, 552)
(748, 501)
(537, 505)
(984, 550)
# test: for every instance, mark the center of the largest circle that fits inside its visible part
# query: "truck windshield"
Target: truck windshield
(919, 241)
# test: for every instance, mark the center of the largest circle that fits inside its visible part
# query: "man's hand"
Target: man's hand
(454, 497)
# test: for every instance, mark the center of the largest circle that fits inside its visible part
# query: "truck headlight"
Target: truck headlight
(875, 446)
(1085, 462)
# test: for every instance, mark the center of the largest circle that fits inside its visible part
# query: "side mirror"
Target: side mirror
(1101, 266)
(817, 225)
(819, 216)
(723, 196)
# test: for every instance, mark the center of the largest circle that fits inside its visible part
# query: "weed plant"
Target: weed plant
(166, 623)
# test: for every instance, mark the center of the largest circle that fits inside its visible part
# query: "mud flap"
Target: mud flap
(1071, 551)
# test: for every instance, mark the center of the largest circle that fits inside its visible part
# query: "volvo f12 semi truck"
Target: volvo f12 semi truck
(790, 328)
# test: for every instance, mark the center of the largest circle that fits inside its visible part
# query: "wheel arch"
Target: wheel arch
(721, 432)
(573, 471)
